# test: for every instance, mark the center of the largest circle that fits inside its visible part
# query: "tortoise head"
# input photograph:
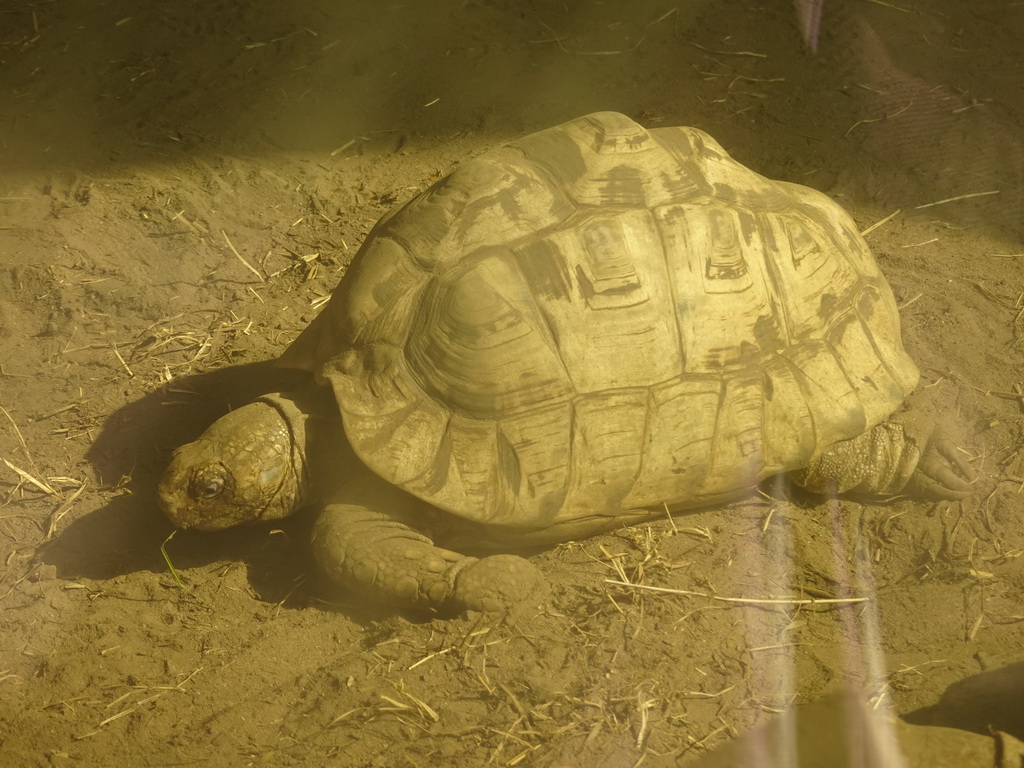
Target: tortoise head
(248, 466)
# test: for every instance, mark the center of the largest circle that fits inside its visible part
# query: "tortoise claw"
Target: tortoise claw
(942, 471)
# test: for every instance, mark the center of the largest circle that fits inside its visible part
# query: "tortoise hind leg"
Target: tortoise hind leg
(376, 554)
(942, 472)
(888, 460)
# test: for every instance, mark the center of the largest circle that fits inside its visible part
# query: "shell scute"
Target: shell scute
(607, 446)
(478, 344)
(541, 442)
(602, 161)
(613, 308)
(675, 459)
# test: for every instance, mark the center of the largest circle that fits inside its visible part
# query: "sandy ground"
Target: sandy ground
(143, 144)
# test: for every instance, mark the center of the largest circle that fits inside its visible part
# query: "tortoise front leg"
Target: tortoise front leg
(888, 460)
(378, 555)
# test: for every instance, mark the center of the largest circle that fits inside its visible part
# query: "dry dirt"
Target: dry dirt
(142, 144)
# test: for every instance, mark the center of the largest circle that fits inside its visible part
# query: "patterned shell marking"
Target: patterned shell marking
(597, 318)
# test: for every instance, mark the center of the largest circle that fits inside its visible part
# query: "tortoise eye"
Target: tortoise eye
(215, 486)
(208, 482)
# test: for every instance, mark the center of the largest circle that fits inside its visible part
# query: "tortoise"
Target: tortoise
(567, 334)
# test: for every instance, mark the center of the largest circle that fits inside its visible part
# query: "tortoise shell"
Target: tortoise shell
(599, 318)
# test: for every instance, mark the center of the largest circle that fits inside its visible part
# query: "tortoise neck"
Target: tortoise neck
(297, 409)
